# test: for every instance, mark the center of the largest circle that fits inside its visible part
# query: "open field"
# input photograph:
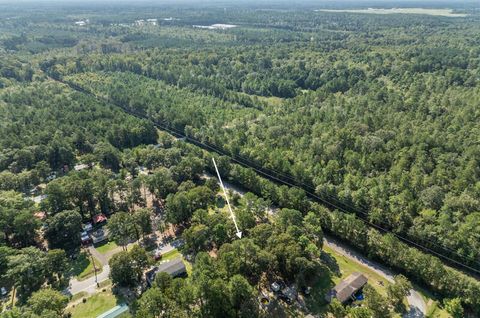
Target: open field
(94, 305)
(434, 309)
(271, 100)
(436, 12)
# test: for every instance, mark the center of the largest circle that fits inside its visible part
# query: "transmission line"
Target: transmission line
(280, 178)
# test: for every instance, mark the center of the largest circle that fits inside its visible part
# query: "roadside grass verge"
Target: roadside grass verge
(348, 266)
(340, 267)
(78, 296)
(82, 267)
(95, 305)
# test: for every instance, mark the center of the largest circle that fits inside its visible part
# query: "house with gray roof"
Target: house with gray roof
(347, 288)
(174, 268)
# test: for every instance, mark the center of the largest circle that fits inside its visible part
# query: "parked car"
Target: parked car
(86, 240)
(87, 227)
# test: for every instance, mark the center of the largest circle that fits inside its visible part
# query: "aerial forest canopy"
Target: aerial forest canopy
(391, 129)
(377, 114)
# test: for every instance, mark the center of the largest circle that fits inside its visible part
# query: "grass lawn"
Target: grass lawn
(78, 296)
(82, 267)
(434, 310)
(105, 283)
(95, 305)
(345, 266)
(170, 255)
(188, 266)
(106, 247)
(348, 266)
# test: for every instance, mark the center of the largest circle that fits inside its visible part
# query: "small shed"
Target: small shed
(347, 288)
(81, 166)
(39, 198)
(99, 218)
(275, 287)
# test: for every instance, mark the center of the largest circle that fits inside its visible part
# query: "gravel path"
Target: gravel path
(415, 300)
(418, 308)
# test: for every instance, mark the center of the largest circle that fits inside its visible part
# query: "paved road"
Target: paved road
(418, 308)
(89, 285)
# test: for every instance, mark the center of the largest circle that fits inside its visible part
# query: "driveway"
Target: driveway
(88, 285)
(417, 309)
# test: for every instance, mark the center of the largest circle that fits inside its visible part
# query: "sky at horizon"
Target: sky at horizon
(363, 2)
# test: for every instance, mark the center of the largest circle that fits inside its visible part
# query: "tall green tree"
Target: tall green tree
(398, 291)
(29, 270)
(126, 268)
(161, 183)
(121, 228)
(376, 303)
(454, 307)
(47, 302)
(63, 230)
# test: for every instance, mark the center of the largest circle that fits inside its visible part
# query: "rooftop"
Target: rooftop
(175, 267)
(99, 218)
(114, 312)
(347, 287)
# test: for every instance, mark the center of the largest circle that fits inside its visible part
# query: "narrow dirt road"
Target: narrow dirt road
(418, 308)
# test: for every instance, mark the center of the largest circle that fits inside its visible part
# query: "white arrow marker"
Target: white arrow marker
(239, 233)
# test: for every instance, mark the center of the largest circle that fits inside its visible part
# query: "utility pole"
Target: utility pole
(13, 295)
(94, 266)
(239, 233)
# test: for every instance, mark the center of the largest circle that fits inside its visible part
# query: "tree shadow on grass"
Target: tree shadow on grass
(316, 302)
(79, 265)
(331, 263)
(220, 202)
